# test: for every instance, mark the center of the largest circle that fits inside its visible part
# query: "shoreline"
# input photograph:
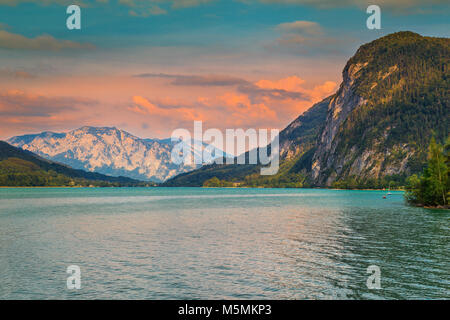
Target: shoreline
(75, 186)
(433, 207)
(81, 187)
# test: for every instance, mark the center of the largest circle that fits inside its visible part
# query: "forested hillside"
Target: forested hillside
(372, 133)
(23, 168)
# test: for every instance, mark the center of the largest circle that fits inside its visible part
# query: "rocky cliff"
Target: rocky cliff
(393, 98)
(374, 130)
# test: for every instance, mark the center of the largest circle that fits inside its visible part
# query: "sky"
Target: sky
(152, 66)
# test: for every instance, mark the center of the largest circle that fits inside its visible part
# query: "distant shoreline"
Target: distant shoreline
(68, 187)
(79, 187)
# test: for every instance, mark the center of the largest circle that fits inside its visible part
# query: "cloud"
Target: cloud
(17, 103)
(289, 96)
(146, 12)
(396, 5)
(292, 83)
(291, 92)
(327, 44)
(176, 4)
(15, 41)
(15, 74)
(301, 27)
(25, 112)
(296, 84)
(241, 108)
(152, 7)
(187, 3)
(323, 90)
(141, 8)
(228, 110)
(245, 104)
(143, 106)
(254, 91)
(258, 93)
(138, 8)
(127, 102)
(306, 37)
(196, 80)
(44, 2)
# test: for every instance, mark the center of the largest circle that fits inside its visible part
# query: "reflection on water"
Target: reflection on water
(183, 243)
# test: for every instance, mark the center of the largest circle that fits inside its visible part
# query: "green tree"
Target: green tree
(217, 183)
(447, 162)
(432, 188)
(436, 173)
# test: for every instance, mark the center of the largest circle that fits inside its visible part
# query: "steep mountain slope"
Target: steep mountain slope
(108, 151)
(394, 96)
(23, 168)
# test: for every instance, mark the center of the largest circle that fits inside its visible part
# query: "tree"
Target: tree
(436, 174)
(447, 162)
(217, 183)
(432, 188)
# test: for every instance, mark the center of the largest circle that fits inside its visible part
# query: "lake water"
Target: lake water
(196, 243)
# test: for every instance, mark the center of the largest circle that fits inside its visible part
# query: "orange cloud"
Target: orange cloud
(27, 112)
(292, 83)
(242, 108)
(292, 105)
(144, 106)
(151, 107)
(321, 91)
(262, 104)
(295, 84)
(15, 74)
(26, 104)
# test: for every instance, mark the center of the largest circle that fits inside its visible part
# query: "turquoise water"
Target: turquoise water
(189, 243)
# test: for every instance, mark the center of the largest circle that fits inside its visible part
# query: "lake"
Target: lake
(199, 243)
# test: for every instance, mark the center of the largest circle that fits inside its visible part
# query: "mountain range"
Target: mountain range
(372, 132)
(109, 151)
(23, 168)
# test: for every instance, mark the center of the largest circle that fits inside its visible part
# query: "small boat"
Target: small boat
(384, 197)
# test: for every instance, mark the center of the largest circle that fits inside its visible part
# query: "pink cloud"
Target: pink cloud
(144, 106)
(151, 107)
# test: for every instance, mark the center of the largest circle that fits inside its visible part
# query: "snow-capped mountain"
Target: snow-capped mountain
(108, 150)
